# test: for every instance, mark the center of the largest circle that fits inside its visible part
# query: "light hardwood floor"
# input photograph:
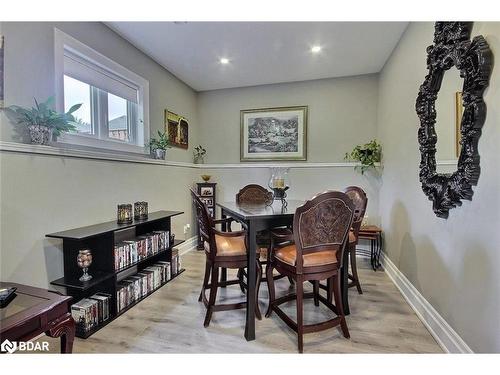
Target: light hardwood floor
(171, 321)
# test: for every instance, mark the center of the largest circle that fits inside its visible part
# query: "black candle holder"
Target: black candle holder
(279, 194)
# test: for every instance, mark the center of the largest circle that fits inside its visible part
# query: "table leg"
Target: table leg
(223, 274)
(64, 327)
(372, 254)
(344, 281)
(251, 279)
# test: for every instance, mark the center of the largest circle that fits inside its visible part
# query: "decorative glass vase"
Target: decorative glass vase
(84, 260)
(279, 183)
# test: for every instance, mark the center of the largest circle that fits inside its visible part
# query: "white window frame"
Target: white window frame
(63, 42)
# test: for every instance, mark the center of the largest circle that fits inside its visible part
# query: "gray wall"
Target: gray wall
(342, 114)
(29, 71)
(43, 194)
(453, 262)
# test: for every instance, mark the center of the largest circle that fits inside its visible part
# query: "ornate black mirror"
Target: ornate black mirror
(453, 48)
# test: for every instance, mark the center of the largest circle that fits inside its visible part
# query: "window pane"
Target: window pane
(117, 118)
(76, 92)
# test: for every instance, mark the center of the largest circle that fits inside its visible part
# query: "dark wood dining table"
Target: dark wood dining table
(261, 217)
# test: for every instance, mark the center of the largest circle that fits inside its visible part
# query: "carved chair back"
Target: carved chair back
(360, 200)
(254, 194)
(205, 223)
(322, 224)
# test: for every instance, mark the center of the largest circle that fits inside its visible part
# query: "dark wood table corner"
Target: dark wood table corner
(35, 311)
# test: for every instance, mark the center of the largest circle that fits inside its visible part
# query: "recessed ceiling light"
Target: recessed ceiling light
(316, 49)
(224, 60)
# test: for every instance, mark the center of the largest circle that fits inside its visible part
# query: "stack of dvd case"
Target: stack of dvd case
(176, 262)
(133, 288)
(130, 252)
(90, 312)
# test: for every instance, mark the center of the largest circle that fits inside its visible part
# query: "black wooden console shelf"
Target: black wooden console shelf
(101, 239)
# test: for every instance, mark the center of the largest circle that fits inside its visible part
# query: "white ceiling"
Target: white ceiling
(263, 52)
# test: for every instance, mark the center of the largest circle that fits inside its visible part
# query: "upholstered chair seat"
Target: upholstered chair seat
(288, 255)
(228, 246)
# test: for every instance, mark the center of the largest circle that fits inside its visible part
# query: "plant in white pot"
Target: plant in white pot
(42, 121)
(158, 147)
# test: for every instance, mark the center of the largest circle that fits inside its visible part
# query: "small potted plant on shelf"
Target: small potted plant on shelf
(43, 122)
(199, 154)
(368, 155)
(158, 147)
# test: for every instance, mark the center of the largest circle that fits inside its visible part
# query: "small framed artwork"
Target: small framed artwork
(177, 128)
(271, 134)
(459, 110)
(207, 191)
(208, 201)
(211, 212)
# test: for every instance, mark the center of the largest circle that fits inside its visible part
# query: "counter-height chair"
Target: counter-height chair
(320, 235)
(222, 250)
(254, 194)
(360, 200)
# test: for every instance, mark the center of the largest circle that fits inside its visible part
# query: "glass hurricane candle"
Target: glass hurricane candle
(140, 210)
(279, 183)
(124, 214)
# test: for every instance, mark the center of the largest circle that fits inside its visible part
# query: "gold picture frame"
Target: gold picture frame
(177, 128)
(273, 134)
(459, 110)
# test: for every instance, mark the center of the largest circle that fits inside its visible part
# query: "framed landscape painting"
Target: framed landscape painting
(271, 134)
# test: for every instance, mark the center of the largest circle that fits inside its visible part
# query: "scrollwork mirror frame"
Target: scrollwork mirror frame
(452, 46)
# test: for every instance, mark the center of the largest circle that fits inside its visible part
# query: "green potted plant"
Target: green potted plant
(199, 154)
(43, 122)
(368, 155)
(158, 147)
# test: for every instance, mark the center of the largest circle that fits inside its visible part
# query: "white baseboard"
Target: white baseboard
(442, 332)
(188, 245)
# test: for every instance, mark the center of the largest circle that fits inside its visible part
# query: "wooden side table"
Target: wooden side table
(373, 234)
(34, 311)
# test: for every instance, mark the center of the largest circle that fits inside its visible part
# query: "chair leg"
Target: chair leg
(316, 292)
(240, 278)
(213, 295)
(300, 313)
(259, 278)
(290, 280)
(354, 269)
(223, 276)
(270, 287)
(205, 281)
(338, 304)
(329, 289)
